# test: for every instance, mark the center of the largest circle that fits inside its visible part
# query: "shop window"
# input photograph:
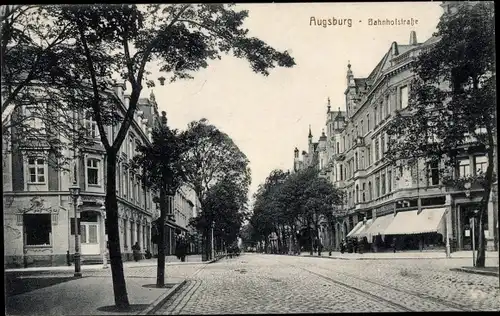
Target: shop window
(38, 229)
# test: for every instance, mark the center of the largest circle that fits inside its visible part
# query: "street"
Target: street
(259, 283)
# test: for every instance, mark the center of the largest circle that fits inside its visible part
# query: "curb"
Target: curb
(488, 273)
(153, 307)
(215, 260)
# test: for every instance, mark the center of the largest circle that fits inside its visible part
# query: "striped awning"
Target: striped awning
(410, 222)
(355, 229)
(378, 227)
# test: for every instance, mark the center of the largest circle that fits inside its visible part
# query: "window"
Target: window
(368, 122)
(464, 168)
(92, 171)
(357, 193)
(131, 146)
(403, 96)
(434, 173)
(125, 183)
(369, 191)
(36, 170)
(338, 148)
(357, 161)
(377, 147)
(382, 180)
(369, 156)
(37, 228)
(387, 105)
(375, 116)
(377, 187)
(481, 164)
(34, 118)
(362, 128)
(91, 129)
(382, 114)
(382, 143)
(389, 181)
(363, 193)
(341, 173)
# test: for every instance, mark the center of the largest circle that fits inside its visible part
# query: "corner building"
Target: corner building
(386, 203)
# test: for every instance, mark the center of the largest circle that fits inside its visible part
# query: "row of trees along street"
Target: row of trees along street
(287, 203)
(72, 56)
(452, 107)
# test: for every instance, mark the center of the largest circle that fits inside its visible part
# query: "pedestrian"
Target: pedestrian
(394, 244)
(136, 251)
(342, 246)
(180, 248)
(320, 247)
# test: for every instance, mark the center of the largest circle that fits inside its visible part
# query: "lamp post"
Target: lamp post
(212, 248)
(103, 236)
(74, 191)
(473, 226)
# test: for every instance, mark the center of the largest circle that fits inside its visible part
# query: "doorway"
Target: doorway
(89, 225)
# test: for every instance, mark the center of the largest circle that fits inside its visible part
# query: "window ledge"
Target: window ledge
(36, 183)
(37, 246)
(94, 185)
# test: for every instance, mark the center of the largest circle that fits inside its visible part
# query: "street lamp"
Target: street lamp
(74, 191)
(103, 234)
(473, 227)
(212, 243)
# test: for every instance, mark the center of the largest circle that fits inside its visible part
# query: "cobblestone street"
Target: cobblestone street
(256, 283)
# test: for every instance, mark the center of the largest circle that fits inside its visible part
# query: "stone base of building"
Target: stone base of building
(57, 260)
(490, 245)
(35, 261)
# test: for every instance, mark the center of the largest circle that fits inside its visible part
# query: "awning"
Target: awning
(362, 229)
(355, 229)
(378, 227)
(409, 222)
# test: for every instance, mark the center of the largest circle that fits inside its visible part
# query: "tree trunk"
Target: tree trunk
(277, 232)
(160, 272)
(481, 251)
(311, 239)
(118, 277)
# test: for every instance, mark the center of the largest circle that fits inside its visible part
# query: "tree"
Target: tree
(38, 99)
(223, 205)
(213, 157)
(162, 166)
(126, 40)
(453, 105)
(302, 197)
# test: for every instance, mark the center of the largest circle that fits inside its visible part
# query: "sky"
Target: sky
(267, 117)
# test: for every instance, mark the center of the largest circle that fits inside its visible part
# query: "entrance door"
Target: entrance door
(90, 238)
(466, 212)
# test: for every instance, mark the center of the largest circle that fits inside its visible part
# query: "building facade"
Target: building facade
(387, 203)
(39, 213)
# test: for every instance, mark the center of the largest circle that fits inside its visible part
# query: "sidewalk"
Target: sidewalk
(90, 296)
(399, 255)
(491, 271)
(169, 260)
(54, 290)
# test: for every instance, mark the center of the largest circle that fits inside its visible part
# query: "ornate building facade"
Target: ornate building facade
(388, 203)
(38, 209)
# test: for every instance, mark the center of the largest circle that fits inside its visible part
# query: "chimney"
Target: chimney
(413, 38)
(394, 48)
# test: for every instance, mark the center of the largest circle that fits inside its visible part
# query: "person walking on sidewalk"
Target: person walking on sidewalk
(136, 251)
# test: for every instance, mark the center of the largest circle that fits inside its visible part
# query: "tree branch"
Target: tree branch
(95, 88)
